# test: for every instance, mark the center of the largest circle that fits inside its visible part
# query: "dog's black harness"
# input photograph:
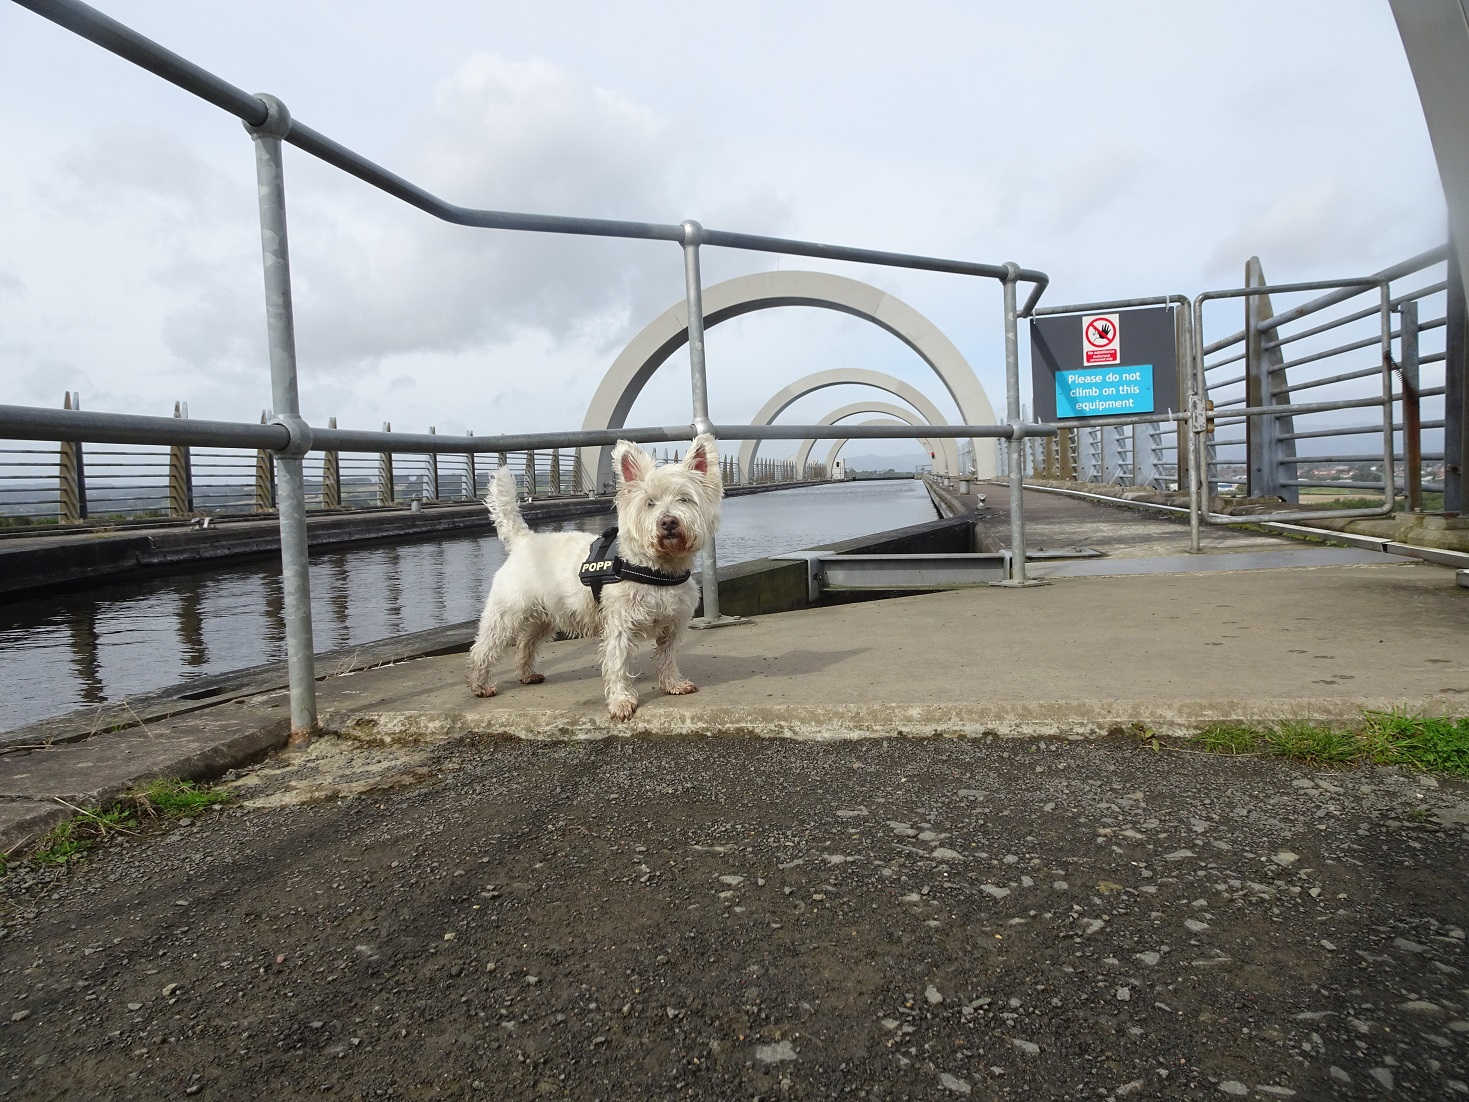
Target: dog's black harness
(603, 566)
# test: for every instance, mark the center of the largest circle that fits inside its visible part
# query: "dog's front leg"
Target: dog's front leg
(622, 702)
(665, 656)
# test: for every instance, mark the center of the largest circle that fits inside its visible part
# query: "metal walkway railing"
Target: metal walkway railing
(289, 437)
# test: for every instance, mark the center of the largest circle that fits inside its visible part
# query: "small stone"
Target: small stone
(953, 1083)
(1234, 1086)
(1195, 925)
(1129, 1088)
(1059, 885)
(1383, 1076)
(890, 1023)
(1285, 858)
(1339, 1074)
(1124, 994)
(20, 1015)
(1030, 1048)
(170, 989)
(1149, 958)
(532, 980)
(931, 993)
(1408, 946)
(317, 1024)
(1276, 1092)
(1459, 1026)
(449, 936)
(1179, 855)
(732, 881)
(994, 890)
(943, 854)
(1420, 1006)
(775, 1054)
(135, 1006)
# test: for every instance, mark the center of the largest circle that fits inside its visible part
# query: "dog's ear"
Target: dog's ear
(632, 463)
(702, 456)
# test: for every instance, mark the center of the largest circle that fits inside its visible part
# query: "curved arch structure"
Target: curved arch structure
(668, 332)
(840, 376)
(838, 445)
(946, 458)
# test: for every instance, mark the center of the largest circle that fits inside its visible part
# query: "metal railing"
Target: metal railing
(290, 438)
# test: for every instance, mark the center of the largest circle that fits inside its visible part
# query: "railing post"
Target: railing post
(73, 486)
(555, 472)
(1265, 384)
(1183, 349)
(530, 476)
(693, 234)
(433, 467)
(1015, 445)
(264, 476)
(385, 489)
(1412, 427)
(1456, 386)
(472, 470)
(331, 475)
(281, 329)
(180, 472)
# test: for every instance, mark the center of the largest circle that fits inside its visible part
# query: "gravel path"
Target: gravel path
(738, 918)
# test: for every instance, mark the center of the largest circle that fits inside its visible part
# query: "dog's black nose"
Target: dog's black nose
(668, 525)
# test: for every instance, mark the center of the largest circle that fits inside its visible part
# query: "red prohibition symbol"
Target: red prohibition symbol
(1100, 333)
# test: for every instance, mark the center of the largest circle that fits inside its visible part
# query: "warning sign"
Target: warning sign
(1101, 339)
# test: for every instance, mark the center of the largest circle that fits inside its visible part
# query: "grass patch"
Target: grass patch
(160, 800)
(1434, 744)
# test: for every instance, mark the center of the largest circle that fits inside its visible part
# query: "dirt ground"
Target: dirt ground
(740, 918)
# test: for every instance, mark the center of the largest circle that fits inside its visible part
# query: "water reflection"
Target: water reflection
(60, 652)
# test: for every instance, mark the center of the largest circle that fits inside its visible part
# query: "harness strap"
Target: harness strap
(603, 566)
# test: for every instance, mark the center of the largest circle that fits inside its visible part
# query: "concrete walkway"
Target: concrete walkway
(1079, 657)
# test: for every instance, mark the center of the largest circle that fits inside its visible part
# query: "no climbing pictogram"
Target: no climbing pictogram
(1101, 339)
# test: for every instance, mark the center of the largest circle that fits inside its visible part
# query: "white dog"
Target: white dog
(637, 588)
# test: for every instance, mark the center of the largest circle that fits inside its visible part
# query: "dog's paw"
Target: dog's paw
(680, 688)
(483, 690)
(533, 679)
(622, 707)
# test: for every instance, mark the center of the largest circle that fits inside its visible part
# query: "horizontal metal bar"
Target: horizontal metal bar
(1394, 271)
(1376, 457)
(1352, 346)
(1346, 484)
(36, 423)
(1225, 363)
(1220, 384)
(1223, 342)
(1167, 419)
(1343, 377)
(1112, 304)
(1353, 430)
(878, 432)
(1367, 312)
(1295, 409)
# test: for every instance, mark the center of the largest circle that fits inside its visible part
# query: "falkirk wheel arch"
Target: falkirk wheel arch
(945, 454)
(668, 332)
(840, 376)
(838, 445)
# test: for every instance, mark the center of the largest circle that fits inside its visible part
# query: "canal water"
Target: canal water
(63, 651)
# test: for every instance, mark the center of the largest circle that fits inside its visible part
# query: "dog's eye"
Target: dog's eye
(651, 503)
(685, 500)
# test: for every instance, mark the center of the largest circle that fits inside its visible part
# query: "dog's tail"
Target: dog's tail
(504, 509)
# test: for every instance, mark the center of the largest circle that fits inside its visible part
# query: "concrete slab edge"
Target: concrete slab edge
(1069, 719)
(40, 812)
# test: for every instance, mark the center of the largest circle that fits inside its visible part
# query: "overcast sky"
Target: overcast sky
(1125, 148)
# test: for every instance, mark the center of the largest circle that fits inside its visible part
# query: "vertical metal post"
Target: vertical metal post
(473, 472)
(1183, 350)
(555, 472)
(530, 476)
(180, 488)
(385, 489)
(264, 476)
(1412, 428)
(1456, 386)
(1016, 443)
(1389, 475)
(73, 496)
(433, 468)
(1194, 438)
(331, 476)
(281, 330)
(693, 234)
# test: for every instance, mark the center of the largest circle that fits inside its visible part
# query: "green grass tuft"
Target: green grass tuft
(165, 798)
(1434, 743)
